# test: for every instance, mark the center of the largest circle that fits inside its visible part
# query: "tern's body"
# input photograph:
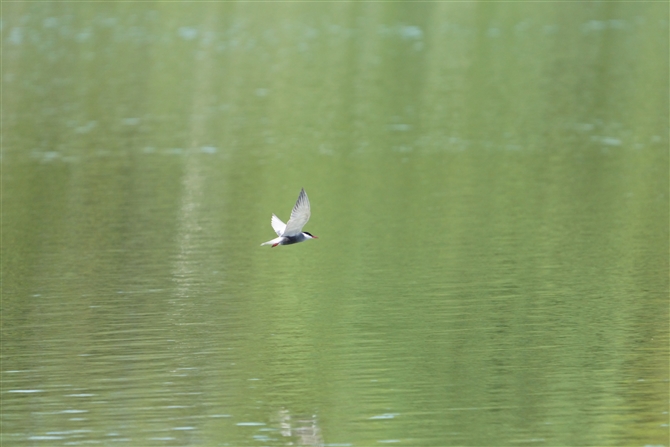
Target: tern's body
(286, 240)
(291, 232)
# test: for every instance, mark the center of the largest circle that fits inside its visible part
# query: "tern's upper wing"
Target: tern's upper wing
(277, 225)
(299, 215)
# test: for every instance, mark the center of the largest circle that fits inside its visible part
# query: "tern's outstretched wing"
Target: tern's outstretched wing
(299, 215)
(277, 225)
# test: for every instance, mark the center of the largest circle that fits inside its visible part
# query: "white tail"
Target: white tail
(273, 241)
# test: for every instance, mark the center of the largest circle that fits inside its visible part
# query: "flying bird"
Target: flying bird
(291, 232)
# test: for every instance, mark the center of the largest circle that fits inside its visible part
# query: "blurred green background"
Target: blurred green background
(489, 184)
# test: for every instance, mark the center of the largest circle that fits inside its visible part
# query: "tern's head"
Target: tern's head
(309, 235)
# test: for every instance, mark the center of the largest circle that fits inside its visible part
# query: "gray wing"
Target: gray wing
(299, 215)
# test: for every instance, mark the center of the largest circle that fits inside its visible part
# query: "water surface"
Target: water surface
(489, 185)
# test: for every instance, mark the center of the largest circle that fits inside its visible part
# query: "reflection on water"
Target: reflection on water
(300, 431)
(489, 186)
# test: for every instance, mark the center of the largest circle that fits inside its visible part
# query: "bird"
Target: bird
(291, 232)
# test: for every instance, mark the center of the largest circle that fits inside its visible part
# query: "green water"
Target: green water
(489, 185)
